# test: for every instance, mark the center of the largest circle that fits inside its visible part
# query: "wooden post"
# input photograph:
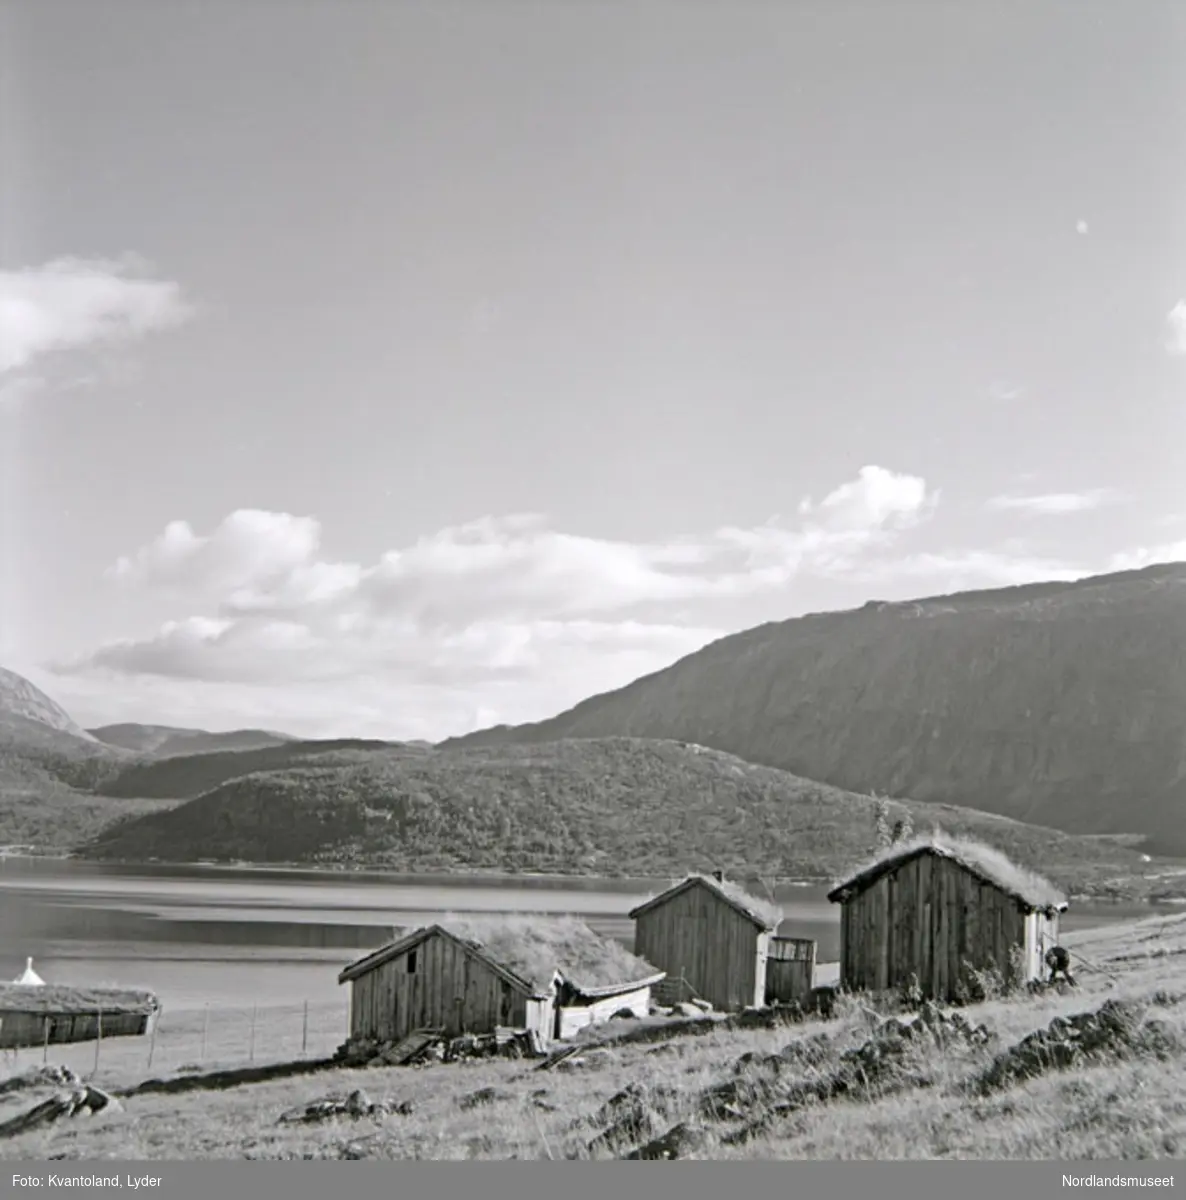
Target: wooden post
(205, 1029)
(305, 1031)
(98, 1043)
(251, 1044)
(156, 1020)
(45, 1039)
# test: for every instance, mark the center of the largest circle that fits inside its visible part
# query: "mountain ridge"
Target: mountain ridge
(21, 699)
(1052, 703)
(614, 806)
(164, 741)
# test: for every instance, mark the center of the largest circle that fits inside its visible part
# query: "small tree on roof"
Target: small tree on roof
(903, 830)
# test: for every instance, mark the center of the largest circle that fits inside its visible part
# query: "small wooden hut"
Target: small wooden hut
(711, 938)
(53, 1014)
(790, 969)
(938, 910)
(547, 976)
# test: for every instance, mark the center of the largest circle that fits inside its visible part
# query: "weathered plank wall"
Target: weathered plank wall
(933, 918)
(720, 953)
(23, 1029)
(423, 987)
(790, 969)
(541, 1016)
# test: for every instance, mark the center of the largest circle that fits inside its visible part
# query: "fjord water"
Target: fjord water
(244, 936)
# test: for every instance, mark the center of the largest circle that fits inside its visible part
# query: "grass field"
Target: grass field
(1127, 1101)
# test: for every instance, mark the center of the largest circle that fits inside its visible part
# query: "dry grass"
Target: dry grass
(536, 947)
(985, 861)
(1130, 1108)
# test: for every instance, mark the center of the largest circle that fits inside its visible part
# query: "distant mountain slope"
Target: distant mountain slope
(36, 759)
(1063, 704)
(41, 746)
(181, 777)
(19, 698)
(48, 768)
(163, 741)
(614, 806)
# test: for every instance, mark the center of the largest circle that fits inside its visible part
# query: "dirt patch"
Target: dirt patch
(483, 1096)
(663, 1029)
(357, 1104)
(1118, 1029)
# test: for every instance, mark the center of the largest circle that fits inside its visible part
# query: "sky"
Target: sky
(392, 369)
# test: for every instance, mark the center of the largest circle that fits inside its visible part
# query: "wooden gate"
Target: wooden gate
(790, 969)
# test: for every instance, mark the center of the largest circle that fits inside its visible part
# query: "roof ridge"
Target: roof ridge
(1020, 882)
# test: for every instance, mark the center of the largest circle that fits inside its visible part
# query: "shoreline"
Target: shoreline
(477, 877)
(545, 881)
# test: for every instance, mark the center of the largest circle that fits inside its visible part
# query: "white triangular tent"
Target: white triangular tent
(30, 976)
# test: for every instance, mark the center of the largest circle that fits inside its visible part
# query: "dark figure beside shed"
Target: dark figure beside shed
(1059, 961)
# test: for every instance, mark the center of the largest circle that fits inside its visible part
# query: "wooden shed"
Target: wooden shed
(548, 976)
(711, 936)
(938, 910)
(54, 1014)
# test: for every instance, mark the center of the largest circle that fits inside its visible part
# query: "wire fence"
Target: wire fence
(205, 1038)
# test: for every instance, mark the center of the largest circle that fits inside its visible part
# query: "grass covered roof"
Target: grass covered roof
(983, 861)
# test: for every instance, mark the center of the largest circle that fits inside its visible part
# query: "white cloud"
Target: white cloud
(498, 619)
(501, 612)
(515, 567)
(876, 499)
(403, 654)
(501, 619)
(249, 550)
(518, 567)
(1176, 319)
(1148, 556)
(1056, 504)
(71, 304)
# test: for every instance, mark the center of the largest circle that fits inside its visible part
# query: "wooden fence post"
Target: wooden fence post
(156, 1020)
(205, 1029)
(251, 1044)
(45, 1039)
(98, 1043)
(305, 1031)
